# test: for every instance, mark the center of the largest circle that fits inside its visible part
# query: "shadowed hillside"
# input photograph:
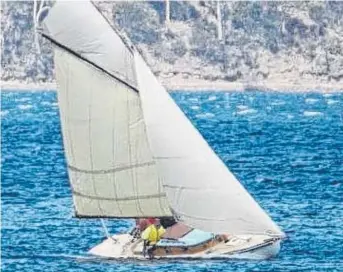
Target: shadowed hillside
(291, 42)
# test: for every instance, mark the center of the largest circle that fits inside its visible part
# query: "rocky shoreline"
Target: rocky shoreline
(271, 46)
(177, 84)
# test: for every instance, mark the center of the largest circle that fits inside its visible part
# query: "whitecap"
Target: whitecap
(195, 107)
(312, 113)
(311, 100)
(4, 113)
(212, 98)
(331, 101)
(205, 115)
(278, 103)
(22, 99)
(242, 107)
(45, 103)
(290, 116)
(327, 94)
(259, 179)
(247, 111)
(25, 107)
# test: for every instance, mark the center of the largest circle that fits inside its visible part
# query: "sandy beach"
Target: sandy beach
(182, 84)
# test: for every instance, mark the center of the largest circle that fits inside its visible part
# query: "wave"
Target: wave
(46, 103)
(23, 99)
(4, 113)
(193, 99)
(195, 107)
(25, 107)
(247, 111)
(331, 101)
(278, 103)
(205, 115)
(311, 100)
(212, 98)
(242, 107)
(312, 113)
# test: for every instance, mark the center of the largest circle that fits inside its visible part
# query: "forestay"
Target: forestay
(203, 193)
(111, 169)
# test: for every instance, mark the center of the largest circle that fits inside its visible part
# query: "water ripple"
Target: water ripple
(291, 162)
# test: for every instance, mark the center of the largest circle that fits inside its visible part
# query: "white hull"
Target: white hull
(243, 247)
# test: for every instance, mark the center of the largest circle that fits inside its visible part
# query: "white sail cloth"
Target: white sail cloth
(111, 170)
(103, 126)
(202, 192)
(79, 26)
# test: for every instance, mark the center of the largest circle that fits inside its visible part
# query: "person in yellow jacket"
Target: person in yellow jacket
(151, 235)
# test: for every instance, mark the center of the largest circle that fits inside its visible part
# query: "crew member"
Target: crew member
(151, 235)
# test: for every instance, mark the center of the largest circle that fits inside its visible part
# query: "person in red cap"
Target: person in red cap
(151, 235)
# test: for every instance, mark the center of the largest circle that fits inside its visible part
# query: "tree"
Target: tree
(167, 11)
(219, 22)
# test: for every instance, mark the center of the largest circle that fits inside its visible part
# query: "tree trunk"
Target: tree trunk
(219, 22)
(167, 11)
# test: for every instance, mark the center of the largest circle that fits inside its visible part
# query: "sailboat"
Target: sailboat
(132, 153)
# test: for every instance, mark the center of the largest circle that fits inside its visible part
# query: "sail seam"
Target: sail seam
(88, 61)
(78, 215)
(114, 148)
(120, 198)
(113, 170)
(90, 143)
(191, 188)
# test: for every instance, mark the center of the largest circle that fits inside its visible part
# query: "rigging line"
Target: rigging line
(107, 233)
(105, 228)
(56, 43)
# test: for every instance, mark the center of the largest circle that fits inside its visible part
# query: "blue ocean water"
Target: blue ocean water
(287, 150)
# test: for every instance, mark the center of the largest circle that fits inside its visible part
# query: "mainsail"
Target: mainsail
(111, 169)
(124, 136)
